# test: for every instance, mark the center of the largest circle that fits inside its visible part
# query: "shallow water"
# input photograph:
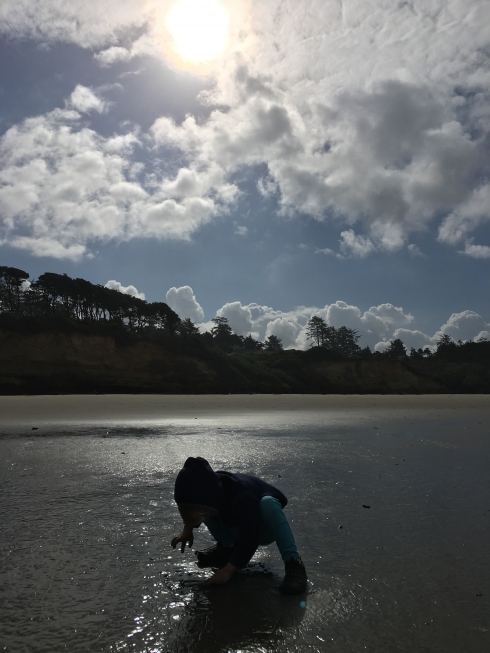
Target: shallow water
(87, 515)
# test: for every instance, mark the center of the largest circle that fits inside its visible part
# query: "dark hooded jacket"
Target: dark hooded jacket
(236, 498)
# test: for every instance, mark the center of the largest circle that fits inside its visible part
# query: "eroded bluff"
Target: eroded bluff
(59, 362)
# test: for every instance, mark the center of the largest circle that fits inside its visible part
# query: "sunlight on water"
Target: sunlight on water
(88, 514)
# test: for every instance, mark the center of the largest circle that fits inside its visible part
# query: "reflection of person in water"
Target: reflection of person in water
(241, 512)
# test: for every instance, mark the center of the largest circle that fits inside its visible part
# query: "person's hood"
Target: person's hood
(198, 484)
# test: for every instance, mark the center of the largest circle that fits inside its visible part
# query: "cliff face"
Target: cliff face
(76, 362)
(377, 377)
(59, 362)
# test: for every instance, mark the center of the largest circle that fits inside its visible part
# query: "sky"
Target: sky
(260, 161)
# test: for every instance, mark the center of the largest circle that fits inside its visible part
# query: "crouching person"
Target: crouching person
(241, 512)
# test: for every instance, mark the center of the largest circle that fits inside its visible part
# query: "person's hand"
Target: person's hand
(222, 575)
(186, 537)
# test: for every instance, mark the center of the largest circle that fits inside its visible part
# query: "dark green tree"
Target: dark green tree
(342, 339)
(188, 328)
(416, 354)
(345, 340)
(446, 347)
(11, 288)
(273, 343)
(366, 352)
(251, 344)
(223, 336)
(444, 340)
(159, 315)
(395, 349)
(316, 330)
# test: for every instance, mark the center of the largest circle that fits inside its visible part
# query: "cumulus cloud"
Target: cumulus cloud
(414, 338)
(370, 113)
(238, 316)
(126, 290)
(64, 187)
(377, 326)
(397, 157)
(464, 326)
(83, 99)
(183, 301)
(284, 328)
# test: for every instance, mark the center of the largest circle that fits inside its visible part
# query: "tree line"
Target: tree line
(78, 299)
(445, 349)
(345, 340)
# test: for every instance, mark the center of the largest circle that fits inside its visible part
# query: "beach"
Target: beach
(389, 501)
(61, 409)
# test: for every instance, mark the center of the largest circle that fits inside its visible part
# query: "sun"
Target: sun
(199, 29)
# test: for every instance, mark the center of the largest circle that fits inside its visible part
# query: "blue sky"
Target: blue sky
(331, 159)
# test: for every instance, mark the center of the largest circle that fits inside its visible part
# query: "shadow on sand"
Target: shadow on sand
(246, 612)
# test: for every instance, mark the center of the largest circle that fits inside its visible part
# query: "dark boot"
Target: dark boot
(295, 579)
(216, 556)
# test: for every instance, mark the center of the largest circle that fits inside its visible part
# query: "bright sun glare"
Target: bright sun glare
(199, 29)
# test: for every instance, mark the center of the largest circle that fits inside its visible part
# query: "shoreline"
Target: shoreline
(18, 410)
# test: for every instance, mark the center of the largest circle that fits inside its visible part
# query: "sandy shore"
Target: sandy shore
(19, 410)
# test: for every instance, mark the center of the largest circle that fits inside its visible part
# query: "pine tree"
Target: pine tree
(273, 343)
(395, 349)
(316, 330)
(188, 328)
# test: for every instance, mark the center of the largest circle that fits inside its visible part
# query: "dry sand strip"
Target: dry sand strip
(66, 409)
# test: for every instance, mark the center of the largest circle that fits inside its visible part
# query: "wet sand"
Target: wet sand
(61, 409)
(87, 513)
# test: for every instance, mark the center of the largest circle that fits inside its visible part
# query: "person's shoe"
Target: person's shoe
(295, 579)
(216, 556)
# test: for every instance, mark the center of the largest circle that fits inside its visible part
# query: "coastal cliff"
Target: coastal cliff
(64, 362)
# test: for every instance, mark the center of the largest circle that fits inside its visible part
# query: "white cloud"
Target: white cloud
(88, 24)
(83, 99)
(267, 187)
(463, 326)
(475, 251)
(64, 187)
(241, 231)
(326, 250)
(355, 245)
(239, 317)
(466, 217)
(46, 247)
(352, 110)
(183, 301)
(285, 329)
(483, 335)
(415, 251)
(414, 338)
(112, 55)
(377, 326)
(381, 346)
(379, 322)
(125, 290)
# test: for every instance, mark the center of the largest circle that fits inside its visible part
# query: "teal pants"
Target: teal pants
(273, 527)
